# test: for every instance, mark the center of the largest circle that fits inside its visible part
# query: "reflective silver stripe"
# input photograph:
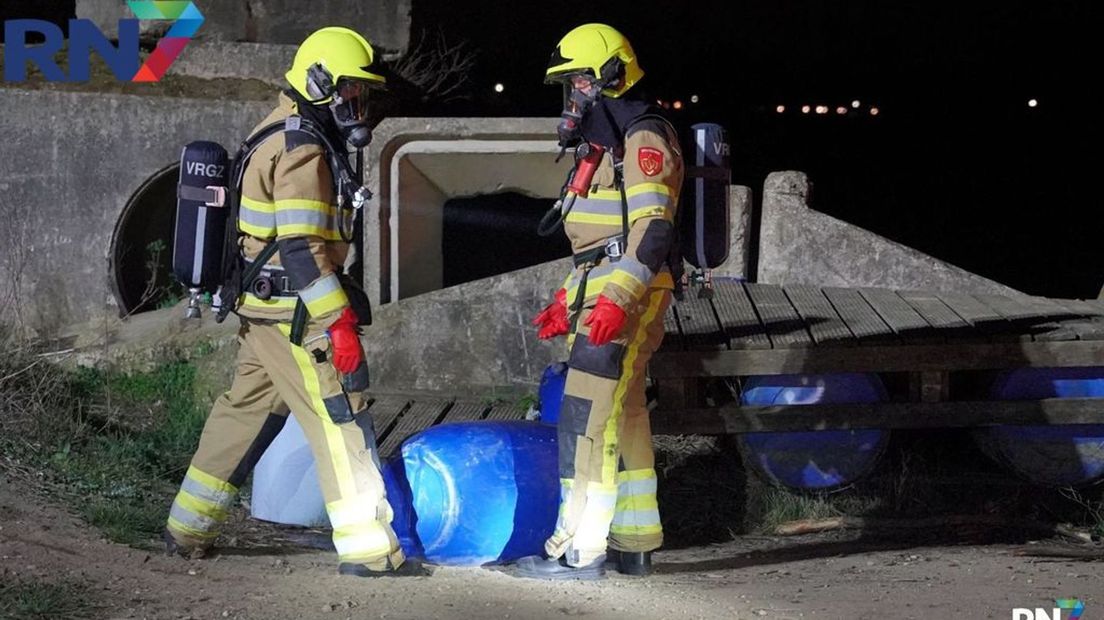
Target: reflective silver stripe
(597, 206)
(321, 287)
(304, 217)
(636, 269)
(636, 487)
(604, 269)
(649, 199)
(648, 516)
(699, 200)
(260, 219)
(222, 499)
(197, 258)
(190, 519)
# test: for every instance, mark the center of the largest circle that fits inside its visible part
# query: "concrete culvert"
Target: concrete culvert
(141, 246)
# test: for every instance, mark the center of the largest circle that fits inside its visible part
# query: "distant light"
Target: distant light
(1031, 103)
(694, 99)
(780, 109)
(874, 111)
(856, 103)
(499, 87)
(841, 110)
(822, 109)
(678, 105)
(805, 109)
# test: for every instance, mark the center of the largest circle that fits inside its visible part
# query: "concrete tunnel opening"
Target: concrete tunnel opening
(141, 247)
(456, 210)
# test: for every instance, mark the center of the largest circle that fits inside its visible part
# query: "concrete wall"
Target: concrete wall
(225, 59)
(386, 23)
(474, 339)
(415, 165)
(71, 163)
(798, 245)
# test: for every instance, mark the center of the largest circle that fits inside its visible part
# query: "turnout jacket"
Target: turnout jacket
(288, 195)
(653, 173)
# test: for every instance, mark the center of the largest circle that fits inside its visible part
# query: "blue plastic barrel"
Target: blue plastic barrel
(285, 482)
(401, 501)
(550, 393)
(1059, 455)
(479, 492)
(813, 459)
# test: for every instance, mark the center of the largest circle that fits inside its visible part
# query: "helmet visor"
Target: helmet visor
(578, 87)
(352, 97)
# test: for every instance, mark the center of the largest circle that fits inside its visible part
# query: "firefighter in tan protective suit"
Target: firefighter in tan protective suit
(288, 207)
(611, 309)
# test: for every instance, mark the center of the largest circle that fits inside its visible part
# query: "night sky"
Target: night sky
(956, 163)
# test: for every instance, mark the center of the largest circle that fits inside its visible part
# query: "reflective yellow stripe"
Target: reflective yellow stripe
(324, 295)
(637, 502)
(200, 506)
(635, 474)
(594, 287)
(609, 434)
(641, 188)
(280, 303)
(593, 218)
(651, 211)
(209, 481)
(260, 232)
(626, 280)
(335, 442)
(330, 302)
(257, 205)
(288, 204)
(637, 530)
(190, 531)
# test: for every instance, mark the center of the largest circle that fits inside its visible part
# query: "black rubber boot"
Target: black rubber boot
(636, 563)
(409, 568)
(538, 567)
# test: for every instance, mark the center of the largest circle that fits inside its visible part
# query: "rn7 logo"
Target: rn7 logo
(85, 37)
(1074, 606)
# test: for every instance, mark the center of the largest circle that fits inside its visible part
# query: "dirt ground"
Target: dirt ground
(265, 572)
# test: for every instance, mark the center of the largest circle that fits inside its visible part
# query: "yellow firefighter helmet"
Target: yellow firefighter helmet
(341, 53)
(589, 49)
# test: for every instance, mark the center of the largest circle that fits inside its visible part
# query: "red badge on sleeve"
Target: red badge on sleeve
(650, 160)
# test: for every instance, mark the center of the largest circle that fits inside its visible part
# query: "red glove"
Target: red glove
(345, 337)
(553, 319)
(606, 321)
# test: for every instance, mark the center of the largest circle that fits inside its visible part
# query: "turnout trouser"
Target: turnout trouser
(607, 467)
(274, 377)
